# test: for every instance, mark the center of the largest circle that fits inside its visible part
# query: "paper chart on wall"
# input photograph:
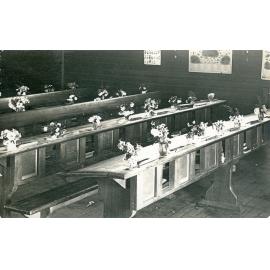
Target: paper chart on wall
(210, 61)
(152, 57)
(265, 74)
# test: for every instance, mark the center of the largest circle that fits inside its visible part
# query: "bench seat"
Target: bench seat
(44, 203)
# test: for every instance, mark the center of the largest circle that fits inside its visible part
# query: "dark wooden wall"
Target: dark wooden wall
(114, 69)
(31, 68)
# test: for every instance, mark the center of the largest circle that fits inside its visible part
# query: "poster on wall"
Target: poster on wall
(265, 65)
(210, 61)
(152, 57)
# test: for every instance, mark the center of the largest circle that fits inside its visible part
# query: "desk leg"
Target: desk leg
(10, 175)
(116, 198)
(221, 193)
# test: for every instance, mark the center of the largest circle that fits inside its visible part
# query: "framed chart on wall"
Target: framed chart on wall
(265, 74)
(152, 57)
(210, 61)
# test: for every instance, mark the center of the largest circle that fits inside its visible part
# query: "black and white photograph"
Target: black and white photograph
(133, 139)
(134, 135)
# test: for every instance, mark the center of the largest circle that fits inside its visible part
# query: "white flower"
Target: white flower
(94, 119)
(22, 90)
(256, 111)
(10, 136)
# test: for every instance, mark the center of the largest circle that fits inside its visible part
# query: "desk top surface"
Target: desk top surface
(117, 167)
(31, 143)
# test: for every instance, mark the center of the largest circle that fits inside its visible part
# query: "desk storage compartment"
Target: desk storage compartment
(29, 163)
(179, 170)
(208, 157)
(106, 141)
(143, 187)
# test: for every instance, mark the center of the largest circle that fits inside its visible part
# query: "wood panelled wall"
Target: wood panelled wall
(115, 69)
(31, 68)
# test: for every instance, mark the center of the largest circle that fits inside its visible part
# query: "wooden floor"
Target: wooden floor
(251, 182)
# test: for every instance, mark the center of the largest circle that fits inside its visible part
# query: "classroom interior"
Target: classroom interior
(134, 133)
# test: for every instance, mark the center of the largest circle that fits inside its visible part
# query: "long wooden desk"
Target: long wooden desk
(32, 157)
(126, 191)
(60, 112)
(48, 99)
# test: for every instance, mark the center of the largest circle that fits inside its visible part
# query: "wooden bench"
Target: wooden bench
(43, 204)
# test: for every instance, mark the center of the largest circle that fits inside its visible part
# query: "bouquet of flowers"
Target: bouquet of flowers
(260, 109)
(18, 103)
(131, 152)
(56, 130)
(48, 88)
(234, 116)
(72, 85)
(95, 120)
(72, 99)
(150, 105)
(102, 93)
(22, 90)
(127, 111)
(161, 133)
(218, 126)
(211, 96)
(143, 89)
(191, 97)
(10, 137)
(174, 101)
(196, 129)
(121, 93)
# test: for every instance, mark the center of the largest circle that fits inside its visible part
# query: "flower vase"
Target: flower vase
(150, 114)
(261, 116)
(96, 125)
(132, 163)
(54, 137)
(197, 139)
(264, 109)
(237, 124)
(11, 146)
(163, 149)
(211, 97)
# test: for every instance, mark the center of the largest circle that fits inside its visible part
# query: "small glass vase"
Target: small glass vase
(237, 124)
(261, 116)
(163, 149)
(96, 125)
(197, 139)
(132, 163)
(11, 146)
(150, 114)
(211, 97)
